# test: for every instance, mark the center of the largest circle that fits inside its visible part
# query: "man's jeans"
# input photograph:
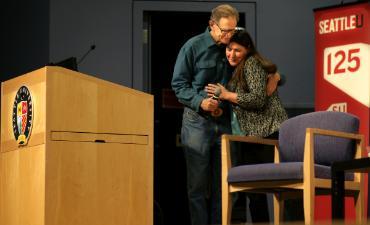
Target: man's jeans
(200, 137)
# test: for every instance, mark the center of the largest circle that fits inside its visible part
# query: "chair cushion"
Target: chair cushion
(327, 149)
(273, 172)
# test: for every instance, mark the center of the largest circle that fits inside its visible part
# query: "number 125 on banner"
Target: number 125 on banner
(346, 59)
(348, 68)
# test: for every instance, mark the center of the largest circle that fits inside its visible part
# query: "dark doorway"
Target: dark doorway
(168, 31)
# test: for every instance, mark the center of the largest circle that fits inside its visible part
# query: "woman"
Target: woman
(254, 112)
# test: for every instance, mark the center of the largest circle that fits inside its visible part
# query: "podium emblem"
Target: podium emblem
(22, 115)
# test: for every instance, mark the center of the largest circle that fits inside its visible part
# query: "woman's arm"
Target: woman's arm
(255, 97)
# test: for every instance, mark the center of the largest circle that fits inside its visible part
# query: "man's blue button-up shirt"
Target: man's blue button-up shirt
(200, 62)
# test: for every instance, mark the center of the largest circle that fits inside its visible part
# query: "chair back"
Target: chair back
(327, 149)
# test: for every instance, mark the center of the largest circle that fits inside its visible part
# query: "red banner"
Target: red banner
(342, 39)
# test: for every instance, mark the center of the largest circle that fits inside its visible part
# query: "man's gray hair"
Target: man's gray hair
(224, 10)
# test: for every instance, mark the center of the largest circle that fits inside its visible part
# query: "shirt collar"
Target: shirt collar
(209, 40)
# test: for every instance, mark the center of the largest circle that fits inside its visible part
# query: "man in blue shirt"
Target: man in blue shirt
(201, 61)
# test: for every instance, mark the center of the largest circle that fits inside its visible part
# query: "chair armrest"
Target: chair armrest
(308, 158)
(226, 157)
(359, 138)
(335, 133)
(250, 139)
(225, 147)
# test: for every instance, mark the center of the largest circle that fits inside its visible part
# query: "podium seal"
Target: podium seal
(22, 116)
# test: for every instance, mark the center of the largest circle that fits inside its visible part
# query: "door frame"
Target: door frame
(140, 49)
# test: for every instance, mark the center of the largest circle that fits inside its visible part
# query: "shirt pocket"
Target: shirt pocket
(207, 72)
(210, 64)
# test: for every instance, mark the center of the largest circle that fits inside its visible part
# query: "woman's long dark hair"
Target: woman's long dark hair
(243, 38)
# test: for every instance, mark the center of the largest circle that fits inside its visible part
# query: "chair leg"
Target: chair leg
(278, 208)
(226, 207)
(359, 199)
(308, 204)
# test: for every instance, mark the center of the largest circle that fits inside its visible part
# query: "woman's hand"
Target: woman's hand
(272, 83)
(217, 91)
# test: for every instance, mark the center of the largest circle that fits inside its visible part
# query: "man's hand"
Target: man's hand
(209, 104)
(272, 83)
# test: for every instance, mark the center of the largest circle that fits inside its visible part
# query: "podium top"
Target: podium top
(68, 101)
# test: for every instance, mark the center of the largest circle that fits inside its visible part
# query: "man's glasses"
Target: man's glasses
(225, 31)
(229, 31)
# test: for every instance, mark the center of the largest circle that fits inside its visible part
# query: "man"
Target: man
(201, 61)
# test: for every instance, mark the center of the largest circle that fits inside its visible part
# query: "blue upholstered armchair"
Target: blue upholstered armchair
(308, 144)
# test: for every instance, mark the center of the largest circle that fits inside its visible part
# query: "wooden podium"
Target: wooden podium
(89, 156)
